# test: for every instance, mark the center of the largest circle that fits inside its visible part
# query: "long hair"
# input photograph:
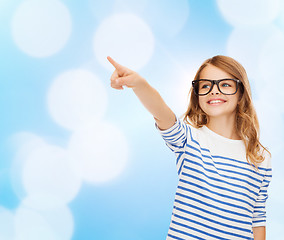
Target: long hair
(246, 121)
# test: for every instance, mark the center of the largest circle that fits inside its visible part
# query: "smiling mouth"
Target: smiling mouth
(216, 102)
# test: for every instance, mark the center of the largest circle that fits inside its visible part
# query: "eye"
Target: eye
(205, 86)
(226, 84)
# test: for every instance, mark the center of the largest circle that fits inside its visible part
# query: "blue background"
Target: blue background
(137, 203)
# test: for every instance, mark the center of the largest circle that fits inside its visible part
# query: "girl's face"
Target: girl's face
(227, 104)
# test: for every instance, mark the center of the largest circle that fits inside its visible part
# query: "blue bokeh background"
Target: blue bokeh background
(136, 203)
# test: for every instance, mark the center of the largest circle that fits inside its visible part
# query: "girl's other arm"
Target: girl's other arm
(259, 233)
(150, 98)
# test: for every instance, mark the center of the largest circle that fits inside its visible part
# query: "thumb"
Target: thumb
(126, 81)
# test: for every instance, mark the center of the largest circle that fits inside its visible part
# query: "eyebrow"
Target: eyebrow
(217, 79)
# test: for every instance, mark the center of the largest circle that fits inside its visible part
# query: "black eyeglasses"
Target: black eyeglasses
(227, 86)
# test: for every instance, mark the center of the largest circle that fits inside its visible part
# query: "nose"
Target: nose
(215, 90)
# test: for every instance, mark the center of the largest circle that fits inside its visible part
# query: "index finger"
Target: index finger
(114, 63)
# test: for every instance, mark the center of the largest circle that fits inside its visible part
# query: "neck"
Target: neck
(224, 126)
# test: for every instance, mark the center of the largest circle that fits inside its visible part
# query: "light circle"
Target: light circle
(23, 144)
(126, 38)
(167, 18)
(241, 13)
(48, 171)
(245, 44)
(42, 201)
(54, 224)
(271, 61)
(41, 28)
(6, 224)
(75, 97)
(99, 152)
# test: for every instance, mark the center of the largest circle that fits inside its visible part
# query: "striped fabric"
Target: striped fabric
(219, 194)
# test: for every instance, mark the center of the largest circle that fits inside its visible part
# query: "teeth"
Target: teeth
(215, 101)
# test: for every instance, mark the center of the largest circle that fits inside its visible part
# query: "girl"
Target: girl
(224, 171)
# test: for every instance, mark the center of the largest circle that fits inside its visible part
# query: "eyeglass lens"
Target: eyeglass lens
(225, 86)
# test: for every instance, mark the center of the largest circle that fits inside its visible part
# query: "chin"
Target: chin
(217, 113)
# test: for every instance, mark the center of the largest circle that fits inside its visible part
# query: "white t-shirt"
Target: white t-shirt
(219, 194)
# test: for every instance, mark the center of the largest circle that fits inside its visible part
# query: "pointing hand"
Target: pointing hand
(123, 76)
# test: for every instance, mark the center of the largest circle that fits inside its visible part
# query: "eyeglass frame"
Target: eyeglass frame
(213, 82)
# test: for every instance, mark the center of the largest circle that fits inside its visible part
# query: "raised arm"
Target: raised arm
(150, 98)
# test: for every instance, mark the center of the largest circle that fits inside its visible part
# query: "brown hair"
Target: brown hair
(246, 123)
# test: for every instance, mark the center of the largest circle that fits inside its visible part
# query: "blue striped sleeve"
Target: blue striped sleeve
(259, 213)
(175, 137)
